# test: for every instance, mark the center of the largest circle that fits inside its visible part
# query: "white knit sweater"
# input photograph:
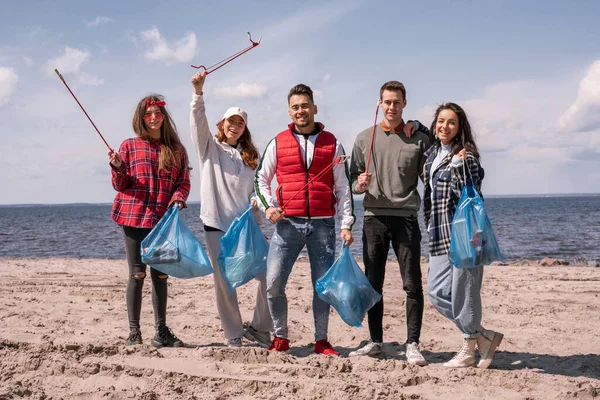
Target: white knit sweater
(226, 183)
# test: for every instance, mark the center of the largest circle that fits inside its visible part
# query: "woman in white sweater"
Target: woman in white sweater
(227, 164)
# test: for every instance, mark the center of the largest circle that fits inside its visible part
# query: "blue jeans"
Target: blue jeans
(456, 294)
(290, 237)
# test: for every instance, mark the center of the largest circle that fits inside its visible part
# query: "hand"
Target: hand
(115, 159)
(363, 181)
(346, 236)
(462, 154)
(273, 214)
(254, 203)
(178, 203)
(410, 128)
(198, 81)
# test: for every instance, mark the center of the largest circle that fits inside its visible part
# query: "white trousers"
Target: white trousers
(227, 303)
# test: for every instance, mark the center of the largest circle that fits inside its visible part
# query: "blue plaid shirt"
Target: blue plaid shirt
(448, 182)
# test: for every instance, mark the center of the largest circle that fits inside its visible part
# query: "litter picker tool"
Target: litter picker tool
(82, 109)
(221, 63)
(372, 137)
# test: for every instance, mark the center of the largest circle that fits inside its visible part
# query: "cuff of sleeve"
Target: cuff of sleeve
(118, 171)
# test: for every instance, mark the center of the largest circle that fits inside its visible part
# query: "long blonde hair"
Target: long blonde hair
(170, 144)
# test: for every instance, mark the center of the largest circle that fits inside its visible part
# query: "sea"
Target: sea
(528, 227)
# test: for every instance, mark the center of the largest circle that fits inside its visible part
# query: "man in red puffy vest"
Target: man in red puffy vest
(313, 180)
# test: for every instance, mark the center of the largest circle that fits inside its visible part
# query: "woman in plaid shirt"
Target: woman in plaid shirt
(453, 162)
(150, 172)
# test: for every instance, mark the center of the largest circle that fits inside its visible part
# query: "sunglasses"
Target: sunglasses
(157, 116)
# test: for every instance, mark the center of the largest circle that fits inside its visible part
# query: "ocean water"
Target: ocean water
(527, 227)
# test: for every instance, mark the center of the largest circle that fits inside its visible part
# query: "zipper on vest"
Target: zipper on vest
(306, 175)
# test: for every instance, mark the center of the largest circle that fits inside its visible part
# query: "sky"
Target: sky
(526, 72)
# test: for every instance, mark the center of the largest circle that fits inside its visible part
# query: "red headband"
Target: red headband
(160, 103)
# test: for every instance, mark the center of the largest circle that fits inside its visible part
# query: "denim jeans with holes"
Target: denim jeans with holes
(290, 237)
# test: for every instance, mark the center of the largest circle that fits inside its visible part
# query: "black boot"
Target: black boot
(135, 337)
(165, 338)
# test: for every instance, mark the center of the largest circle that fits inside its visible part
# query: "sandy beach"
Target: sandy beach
(64, 324)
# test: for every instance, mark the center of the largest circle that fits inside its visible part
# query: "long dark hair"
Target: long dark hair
(249, 152)
(464, 138)
(170, 144)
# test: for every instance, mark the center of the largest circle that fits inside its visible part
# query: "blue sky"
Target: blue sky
(527, 73)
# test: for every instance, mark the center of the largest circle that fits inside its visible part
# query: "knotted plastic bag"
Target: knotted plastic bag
(473, 242)
(345, 287)
(173, 249)
(244, 251)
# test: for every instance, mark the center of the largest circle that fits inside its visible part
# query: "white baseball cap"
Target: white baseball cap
(231, 111)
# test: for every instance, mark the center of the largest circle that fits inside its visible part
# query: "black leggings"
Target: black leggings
(133, 240)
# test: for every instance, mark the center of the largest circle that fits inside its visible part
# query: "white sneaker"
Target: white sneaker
(487, 343)
(263, 339)
(465, 357)
(235, 342)
(371, 349)
(413, 354)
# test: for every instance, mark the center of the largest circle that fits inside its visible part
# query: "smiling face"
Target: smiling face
(153, 120)
(302, 111)
(446, 126)
(233, 128)
(392, 102)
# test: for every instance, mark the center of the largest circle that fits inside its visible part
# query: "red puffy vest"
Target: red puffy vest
(318, 198)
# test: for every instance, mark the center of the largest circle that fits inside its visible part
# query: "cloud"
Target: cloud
(87, 79)
(517, 130)
(99, 21)
(70, 62)
(182, 50)
(584, 114)
(243, 90)
(67, 63)
(8, 84)
(28, 61)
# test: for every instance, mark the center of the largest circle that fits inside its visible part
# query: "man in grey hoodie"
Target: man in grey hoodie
(391, 205)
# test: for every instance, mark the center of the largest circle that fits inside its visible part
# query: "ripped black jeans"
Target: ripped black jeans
(137, 272)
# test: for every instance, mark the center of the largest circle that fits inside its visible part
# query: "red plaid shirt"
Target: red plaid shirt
(144, 192)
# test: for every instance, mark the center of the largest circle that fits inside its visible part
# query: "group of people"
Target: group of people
(151, 172)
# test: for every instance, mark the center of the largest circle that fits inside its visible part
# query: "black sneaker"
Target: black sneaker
(165, 338)
(135, 337)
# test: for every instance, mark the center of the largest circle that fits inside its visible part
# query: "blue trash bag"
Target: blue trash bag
(244, 251)
(173, 249)
(473, 242)
(347, 289)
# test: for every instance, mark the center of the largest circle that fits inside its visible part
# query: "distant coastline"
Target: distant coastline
(356, 197)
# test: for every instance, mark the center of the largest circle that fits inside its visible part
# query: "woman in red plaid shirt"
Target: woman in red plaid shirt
(150, 172)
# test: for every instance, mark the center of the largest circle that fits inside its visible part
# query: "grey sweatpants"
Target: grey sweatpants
(227, 303)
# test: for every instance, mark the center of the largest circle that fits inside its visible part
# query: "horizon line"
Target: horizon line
(487, 196)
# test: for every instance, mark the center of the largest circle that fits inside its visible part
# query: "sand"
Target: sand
(63, 325)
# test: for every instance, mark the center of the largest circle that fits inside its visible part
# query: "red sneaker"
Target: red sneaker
(324, 347)
(280, 344)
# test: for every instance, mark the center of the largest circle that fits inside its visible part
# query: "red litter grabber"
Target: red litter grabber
(221, 63)
(372, 138)
(82, 109)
